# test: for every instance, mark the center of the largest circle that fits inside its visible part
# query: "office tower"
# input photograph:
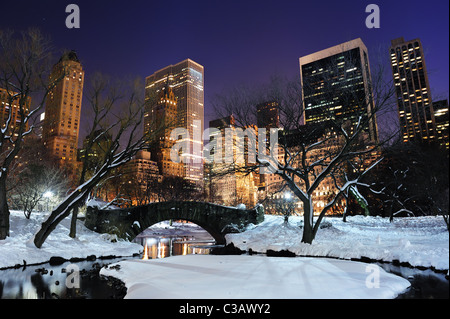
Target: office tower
(139, 177)
(163, 119)
(336, 85)
(62, 111)
(415, 108)
(228, 184)
(10, 106)
(442, 123)
(186, 81)
(268, 115)
(97, 151)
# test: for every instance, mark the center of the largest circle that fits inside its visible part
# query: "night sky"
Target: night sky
(237, 42)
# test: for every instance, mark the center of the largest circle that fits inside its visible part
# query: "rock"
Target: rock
(56, 261)
(91, 258)
(229, 249)
(281, 253)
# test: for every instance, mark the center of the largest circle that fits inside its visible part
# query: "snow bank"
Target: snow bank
(420, 241)
(254, 277)
(19, 245)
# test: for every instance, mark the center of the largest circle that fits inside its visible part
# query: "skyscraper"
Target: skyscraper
(441, 117)
(228, 185)
(62, 111)
(163, 119)
(336, 85)
(415, 108)
(186, 81)
(268, 115)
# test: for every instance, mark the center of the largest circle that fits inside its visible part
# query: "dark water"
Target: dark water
(425, 284)
(59, 282)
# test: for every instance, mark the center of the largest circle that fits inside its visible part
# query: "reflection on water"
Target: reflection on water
(172, 246)
(173, 239)
(50, 282)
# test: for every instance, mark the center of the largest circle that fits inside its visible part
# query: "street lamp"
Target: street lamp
(287, 196)
(48, 195)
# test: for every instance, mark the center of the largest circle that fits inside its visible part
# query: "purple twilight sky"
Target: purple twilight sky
(238, 42)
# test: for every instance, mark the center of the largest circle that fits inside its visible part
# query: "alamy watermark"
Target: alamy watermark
(73, 19)
(373, 278)
(239, 146)
(373, 19)
(73, 276)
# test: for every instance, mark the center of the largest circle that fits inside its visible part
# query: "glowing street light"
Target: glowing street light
(287, 196)
(48, 195)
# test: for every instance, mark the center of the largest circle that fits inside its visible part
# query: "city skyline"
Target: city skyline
(237, 43)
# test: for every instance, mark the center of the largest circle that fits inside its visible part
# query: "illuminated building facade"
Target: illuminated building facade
(442, 123)
(10, 106)
(62, 111)
(186, 81)
(336, 86)
(163, 119)
(228, 185)
(415, 108)
(138, 178)
(268, 115)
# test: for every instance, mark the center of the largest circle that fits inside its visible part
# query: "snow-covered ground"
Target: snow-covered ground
(419, 241)
(422, 241)
(19, 245)
(254, 277)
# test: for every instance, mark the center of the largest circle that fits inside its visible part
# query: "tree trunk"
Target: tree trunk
(58, 214)
(64, 208)
(308, 229)
(73, 223)
(4, 210)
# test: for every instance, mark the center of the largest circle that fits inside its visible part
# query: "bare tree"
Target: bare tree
(412, 180)
(36, 182)
(280, 203)
(312, 154)
(24, 74)
(119, 114)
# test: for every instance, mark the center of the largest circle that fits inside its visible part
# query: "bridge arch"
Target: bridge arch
(217, 220)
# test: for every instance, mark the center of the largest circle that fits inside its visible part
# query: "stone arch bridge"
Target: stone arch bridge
(217, 220)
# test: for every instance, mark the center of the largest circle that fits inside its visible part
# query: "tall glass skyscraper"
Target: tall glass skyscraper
(415, 108)
(186, 81)
(336, 85)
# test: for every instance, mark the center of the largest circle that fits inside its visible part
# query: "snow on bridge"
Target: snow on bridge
(218, 220)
